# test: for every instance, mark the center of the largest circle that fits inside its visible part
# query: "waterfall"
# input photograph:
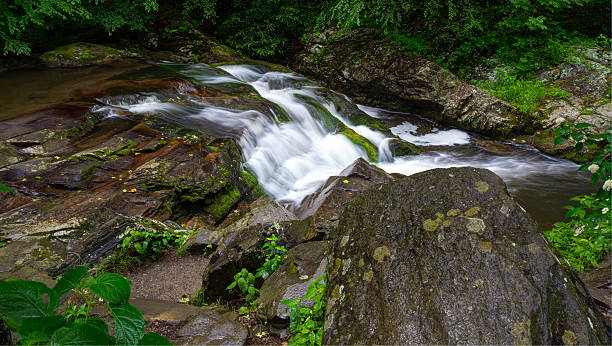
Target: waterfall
(293, 157)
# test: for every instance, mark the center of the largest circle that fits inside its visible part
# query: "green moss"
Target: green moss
(221, 204)
(249, 179)
(329, 122)
(89, 172)
(362, 142)
(78, 52)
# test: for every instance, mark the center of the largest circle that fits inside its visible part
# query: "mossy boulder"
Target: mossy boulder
(80, 54)
(447, 257)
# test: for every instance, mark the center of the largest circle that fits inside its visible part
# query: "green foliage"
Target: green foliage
(526, 34)
(584, 239)
(152, 244)
(31, 309)
(5, 188)
(524, 94)
(261, 28)
(23, 20)
(274, 257)
(245, 282)
(307, 319)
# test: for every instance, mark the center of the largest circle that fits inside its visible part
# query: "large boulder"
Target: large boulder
(378, 72)
(446, 256)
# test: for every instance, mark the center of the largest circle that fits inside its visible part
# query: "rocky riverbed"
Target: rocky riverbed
(442, 256)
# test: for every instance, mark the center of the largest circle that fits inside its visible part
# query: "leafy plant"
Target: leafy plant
(30, 309)
(307, 314)
(584, 239)
(152, 244)
(5, 188)
(245, 282)
(274, 257)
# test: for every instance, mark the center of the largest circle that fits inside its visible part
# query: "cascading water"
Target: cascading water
(291, 159)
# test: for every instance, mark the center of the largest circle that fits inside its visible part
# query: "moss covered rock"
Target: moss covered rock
(445, 257)
(80, 54)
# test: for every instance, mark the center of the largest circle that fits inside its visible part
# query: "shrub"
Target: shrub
(30, 309)
(584, 239)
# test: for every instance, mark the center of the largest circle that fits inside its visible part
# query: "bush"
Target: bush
(584, 239)
(31, 309)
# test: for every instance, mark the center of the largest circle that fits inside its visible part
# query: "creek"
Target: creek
(292, 152)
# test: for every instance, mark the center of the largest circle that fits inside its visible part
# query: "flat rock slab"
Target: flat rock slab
(164, 311)
(171, 278)
(213, 326)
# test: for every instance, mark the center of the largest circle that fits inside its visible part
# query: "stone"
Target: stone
(433, 258)
(164, 311)
(303, 264)
(241, 242)
(212, 326)
(202, 241)
(81, 54)
(8, 155)
(330, 199)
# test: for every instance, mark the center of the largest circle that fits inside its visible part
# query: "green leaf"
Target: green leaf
(82, 333)
(72, 279)
(21, 299)
(129, 324)
(560, 140)
(113, 288)
(5, 188)
(230, 286)
(38, 330)
(154, 339)
(242, 285)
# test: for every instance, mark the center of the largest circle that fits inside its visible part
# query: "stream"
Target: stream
(293, 157)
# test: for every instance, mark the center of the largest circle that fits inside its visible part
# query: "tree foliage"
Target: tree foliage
(530, 33)
(22, 20)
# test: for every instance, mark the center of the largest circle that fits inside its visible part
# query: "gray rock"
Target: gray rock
(212, 326)
(241, 242)
(330, 199)
(8, 155)
(446, 257)
(303, 264)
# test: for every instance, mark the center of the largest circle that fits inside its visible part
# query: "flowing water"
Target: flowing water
(291, 158)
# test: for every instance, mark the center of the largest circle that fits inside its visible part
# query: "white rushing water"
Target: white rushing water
(292, 159)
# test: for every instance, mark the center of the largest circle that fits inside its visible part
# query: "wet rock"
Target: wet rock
(240, 246)
(8, 155)
(81, 54)
(202, 241)
(446, 256)
(302, 265)
(330, 199)
(212, 326)
(381, 73)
